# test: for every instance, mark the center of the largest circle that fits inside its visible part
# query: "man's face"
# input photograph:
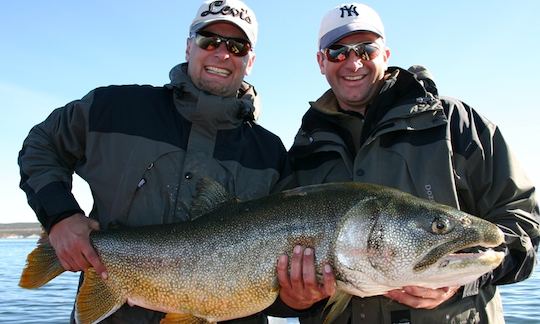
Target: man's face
(354, 81)
(217, 71)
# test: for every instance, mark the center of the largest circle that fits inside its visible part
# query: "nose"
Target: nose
(222, 52)
(354, 61)
(358, 64)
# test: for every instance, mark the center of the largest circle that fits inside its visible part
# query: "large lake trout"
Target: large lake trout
(222, 265)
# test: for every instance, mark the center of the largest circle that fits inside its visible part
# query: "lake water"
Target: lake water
(53, 302)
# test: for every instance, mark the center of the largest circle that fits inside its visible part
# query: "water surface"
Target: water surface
(53, 302)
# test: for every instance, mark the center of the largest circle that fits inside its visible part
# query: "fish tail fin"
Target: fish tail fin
(337, 303)
(95, 300)
(42, 265)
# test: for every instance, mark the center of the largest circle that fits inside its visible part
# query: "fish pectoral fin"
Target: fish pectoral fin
(337, 303)
(95, 300)
(176, 318)
(210, 195)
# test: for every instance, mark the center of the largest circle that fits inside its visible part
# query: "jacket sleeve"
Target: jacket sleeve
(494, 187)
(48, 159)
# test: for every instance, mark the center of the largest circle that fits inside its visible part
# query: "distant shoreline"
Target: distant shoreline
(20, 230)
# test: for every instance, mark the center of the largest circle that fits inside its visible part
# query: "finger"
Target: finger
(94, 260)
(283, 271)
(450, 291)
(421, 292)
(432, 299)
(439, 295)
(65, 257)
(296, 268)
(308, 270)
(93, 224)
(329, 280)
(66, 262)
(446, 293)
(402, 297)
(81, 263)
(312, 289)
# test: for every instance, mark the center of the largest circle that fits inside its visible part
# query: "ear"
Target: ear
(188, 48)
(387, 52)
(320, 60)
(386, 56)
(249, 63)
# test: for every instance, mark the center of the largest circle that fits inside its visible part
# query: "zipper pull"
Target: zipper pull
(141, 183)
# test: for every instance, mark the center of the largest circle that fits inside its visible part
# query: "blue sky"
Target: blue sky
(483, 52)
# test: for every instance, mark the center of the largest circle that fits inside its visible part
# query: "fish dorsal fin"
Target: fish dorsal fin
(95, 300)
(174, 318)
(210, 194)
(337, 303)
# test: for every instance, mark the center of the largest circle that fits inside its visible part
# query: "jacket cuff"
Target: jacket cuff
(53, 203)
(280, 309)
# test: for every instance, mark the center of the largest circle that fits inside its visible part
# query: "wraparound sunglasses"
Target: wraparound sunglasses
(210, 42)
(366, 51)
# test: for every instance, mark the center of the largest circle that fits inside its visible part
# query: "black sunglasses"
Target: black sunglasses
(210, 41)
(366, 51)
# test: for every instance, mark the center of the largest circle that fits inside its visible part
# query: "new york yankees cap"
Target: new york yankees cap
(348, 18)
(233, 11)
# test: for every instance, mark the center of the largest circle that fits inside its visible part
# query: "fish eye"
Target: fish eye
(440, 226)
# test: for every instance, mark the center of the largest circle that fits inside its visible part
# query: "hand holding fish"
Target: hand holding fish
(301, 289)
(70, 239)
(419, 297)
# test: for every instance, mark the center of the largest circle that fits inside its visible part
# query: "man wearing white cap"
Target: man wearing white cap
(385, 125)
(143, 149)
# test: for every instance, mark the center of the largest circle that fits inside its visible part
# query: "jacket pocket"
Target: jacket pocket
(155, 198)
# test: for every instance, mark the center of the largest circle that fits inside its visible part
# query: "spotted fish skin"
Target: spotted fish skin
(222, 265)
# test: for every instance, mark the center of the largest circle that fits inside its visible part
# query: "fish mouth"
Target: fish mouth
(488, 257)
(451, 253)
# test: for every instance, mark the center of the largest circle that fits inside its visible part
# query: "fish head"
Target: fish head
(390, 239)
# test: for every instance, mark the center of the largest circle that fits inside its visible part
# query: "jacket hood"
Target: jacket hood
(249, 105)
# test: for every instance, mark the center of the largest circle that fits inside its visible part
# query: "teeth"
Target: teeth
(354, 78)
(216, 70)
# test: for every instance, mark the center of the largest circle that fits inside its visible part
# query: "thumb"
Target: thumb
(93, 224)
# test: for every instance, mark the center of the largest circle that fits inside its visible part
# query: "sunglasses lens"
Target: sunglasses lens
(209, 41)
(337, 53)
(370, 52)
(238, 47)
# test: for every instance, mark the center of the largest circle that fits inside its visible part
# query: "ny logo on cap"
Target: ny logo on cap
(214, 9)
(350, 10)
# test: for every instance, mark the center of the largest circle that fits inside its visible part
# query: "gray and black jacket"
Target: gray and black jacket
(437, 149)
(142, 150)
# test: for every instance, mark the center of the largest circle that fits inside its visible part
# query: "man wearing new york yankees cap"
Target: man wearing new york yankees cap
(144, 149)
(386, 125)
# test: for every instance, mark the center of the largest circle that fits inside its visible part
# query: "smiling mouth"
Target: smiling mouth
(217, 71)
(354, 77)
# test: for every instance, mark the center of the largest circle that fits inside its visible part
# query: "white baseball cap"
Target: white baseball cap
(348, 18)
(233, 11)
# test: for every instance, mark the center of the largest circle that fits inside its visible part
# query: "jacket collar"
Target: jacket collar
(245, 107)
(399, 88)
(401, 98)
